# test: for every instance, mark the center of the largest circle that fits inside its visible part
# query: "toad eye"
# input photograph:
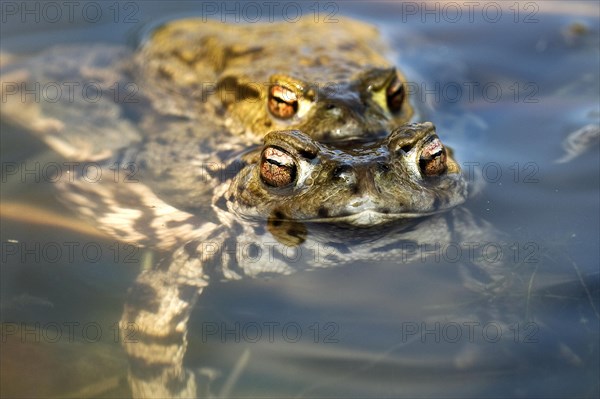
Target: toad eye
(432, 161)
(277, 167)
(283, 102)
(395, 94)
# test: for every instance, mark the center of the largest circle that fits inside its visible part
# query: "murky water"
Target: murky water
(505, 90)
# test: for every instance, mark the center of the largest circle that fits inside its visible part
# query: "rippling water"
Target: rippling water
(504, 90)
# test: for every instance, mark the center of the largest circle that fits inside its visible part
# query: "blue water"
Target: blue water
(365, 330)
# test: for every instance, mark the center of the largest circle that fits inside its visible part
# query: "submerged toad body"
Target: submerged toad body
(287, 133)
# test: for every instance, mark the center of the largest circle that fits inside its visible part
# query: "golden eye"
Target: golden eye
(277, 167)
(395, 94)
(432, 161)
(283, 103)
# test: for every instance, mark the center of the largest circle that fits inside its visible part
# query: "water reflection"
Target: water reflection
(395, 321)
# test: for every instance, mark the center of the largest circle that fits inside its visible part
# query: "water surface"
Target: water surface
(504, 93)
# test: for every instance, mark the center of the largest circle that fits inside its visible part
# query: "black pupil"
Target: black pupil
(283, 100)
(284, 96)
(276, 163)
(395, 95)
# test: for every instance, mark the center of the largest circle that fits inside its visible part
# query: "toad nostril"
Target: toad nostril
(383, 167)
(342, 171)
(330, 106)
(323, 212)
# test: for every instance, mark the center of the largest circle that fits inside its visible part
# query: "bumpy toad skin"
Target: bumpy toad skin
(340, 83)
(359, 185)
